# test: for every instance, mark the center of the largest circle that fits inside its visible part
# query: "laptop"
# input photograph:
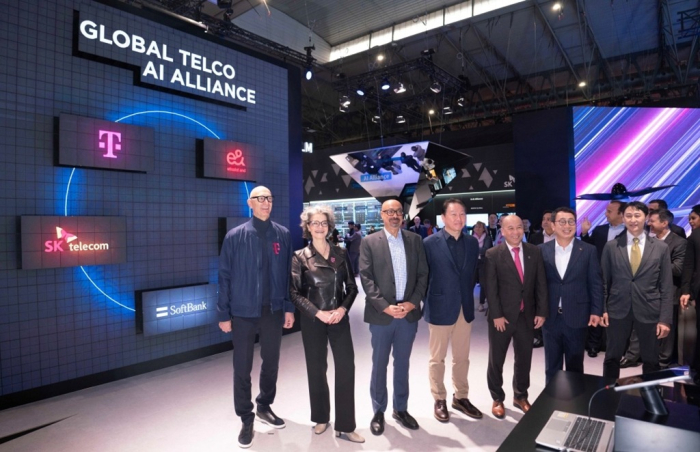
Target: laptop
(571, 432)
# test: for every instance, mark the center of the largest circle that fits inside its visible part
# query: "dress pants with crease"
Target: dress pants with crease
(522, 333)
(440, 337)
(562, 345)
(316, 336)
(397, 339)
(269, 327)
(619, 332)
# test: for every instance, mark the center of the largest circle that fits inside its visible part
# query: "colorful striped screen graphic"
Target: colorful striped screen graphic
(637, 147)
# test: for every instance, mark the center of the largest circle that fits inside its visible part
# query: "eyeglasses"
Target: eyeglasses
(570, 222)
(315, 224)
(392, 212)
(262, 199)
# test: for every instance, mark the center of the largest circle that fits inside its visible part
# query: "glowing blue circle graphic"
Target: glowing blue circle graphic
(65, 205)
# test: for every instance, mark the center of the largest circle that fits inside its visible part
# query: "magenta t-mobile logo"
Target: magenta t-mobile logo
(113, 143)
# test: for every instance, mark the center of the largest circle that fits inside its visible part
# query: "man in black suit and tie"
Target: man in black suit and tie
(690, 285)
(575, 289)
(638, 283)
(517, 292)
(599, 237)
(394, 275)
(449, 307)
(660, 204)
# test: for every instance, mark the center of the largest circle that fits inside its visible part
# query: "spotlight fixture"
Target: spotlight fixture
(431, 112)
(399, 88)
(224, 4)
(460, 101)
(400, 119)
(380, 57)
(435, 86)
(345, 101)
(385, 84)
(556, 7)
(428, 53)
(582, 84)
(343, 108)
(309, 73)
(447, 111)
(309, 61)
(360, 91)
(375, 119)
(228, 15)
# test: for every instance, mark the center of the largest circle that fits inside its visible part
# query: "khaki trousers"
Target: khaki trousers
(440, 337)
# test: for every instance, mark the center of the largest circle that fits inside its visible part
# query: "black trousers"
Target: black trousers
(668, 346)
(562, 345)
(481, 279)
(619, 332)
(522, 333)
(269, 327)
(316, 335)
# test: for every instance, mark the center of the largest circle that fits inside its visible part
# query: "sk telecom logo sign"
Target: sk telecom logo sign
(112, 142)
(53, 246)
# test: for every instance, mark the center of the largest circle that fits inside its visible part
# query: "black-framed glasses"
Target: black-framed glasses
(315, 224)
(563, 222)
(392, 212)
(262, 199)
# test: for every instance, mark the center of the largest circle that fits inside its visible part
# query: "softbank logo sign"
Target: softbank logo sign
(112, 142)
(95, 143)
(160, 311)
(53, 246)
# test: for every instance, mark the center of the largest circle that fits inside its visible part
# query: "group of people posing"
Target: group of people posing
(562, 287)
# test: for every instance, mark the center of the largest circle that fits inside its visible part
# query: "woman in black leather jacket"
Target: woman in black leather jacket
(323, 288)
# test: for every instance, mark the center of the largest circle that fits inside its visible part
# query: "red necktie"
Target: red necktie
(519, 267)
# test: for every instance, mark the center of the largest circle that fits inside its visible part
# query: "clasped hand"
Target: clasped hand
(399, 310)
(331, 317)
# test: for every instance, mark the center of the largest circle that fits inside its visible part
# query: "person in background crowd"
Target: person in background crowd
(352, 244)
(526, 230)
(254, 268)
(452, 257)
(334, 237)
(694, 217)
(575, 289)
(372, 230)
(660, 204)
(418, 228)
(547, 232)
(516, 287)
(429, 229)
(493, 227)
(599, 237)
(323, 289)
(479, 232)
(638, 283)
(394, 275)
(690, 283)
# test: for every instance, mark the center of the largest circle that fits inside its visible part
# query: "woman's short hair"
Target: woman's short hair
(314, 210)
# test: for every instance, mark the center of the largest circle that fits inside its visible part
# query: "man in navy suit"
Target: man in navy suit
(638, 284)
(449, 307)
(575, 291)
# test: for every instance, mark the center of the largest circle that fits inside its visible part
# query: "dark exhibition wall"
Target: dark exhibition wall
(140, 100)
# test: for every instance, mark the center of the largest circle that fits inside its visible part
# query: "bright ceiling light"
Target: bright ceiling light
(435, 87)
(431, 112)
(380, 57)
(400, 119)
(400, 88)
(556, 7)
(385, 84)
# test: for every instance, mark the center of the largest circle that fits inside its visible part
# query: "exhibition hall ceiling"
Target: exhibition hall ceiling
(505, 57)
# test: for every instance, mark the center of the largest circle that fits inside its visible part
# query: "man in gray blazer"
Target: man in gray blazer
(394, 275)
(638, 285)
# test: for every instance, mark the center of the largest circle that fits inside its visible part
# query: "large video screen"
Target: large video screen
(637, 147)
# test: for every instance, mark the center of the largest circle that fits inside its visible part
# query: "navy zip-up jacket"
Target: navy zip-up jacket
(240, 291)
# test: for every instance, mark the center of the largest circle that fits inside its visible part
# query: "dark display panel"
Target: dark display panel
(172, 309)
(230, 160)
(53, 242)
(94, 143)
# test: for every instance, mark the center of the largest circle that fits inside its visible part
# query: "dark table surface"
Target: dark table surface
(568, 392)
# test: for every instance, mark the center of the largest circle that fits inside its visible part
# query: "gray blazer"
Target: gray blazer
(650, 291)
(377, 276)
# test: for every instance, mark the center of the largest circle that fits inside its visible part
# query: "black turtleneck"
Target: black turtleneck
(261, 227)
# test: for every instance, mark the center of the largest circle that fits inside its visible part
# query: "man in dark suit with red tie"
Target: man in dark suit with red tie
(575, 288)
(517, 292)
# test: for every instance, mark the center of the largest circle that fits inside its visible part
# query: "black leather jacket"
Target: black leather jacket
(317, 283)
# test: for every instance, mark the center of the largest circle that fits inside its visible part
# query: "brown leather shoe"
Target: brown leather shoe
(523, 404)
(498, 409)
(466, 407)
(440, 412)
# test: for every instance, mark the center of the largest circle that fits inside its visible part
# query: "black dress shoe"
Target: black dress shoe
(592, 353)
(405, 419)
(537, 343)
(466, 407)
(245, 438)
(625, 363)
(377, 424)
(269, 418)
